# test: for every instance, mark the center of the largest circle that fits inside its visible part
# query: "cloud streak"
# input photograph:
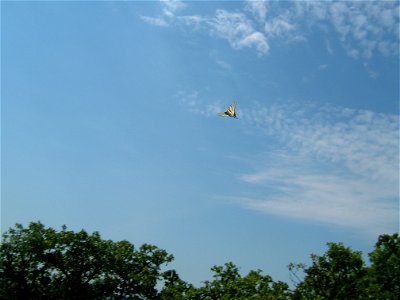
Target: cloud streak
(170, 8)
(341, 168)
(258, 9)
(364, 28)
(331, 165)
(238, 30)
(155, 21)
(194, 104)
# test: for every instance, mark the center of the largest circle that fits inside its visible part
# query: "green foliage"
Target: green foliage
(338, 274)
(384, 273)
(341, 273)
(228, 284)
(41, 263)
(175, 288)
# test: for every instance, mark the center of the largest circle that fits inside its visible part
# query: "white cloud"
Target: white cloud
(155, 21)
(223, 64)
(279, 26)
(373, 74)
(172, 6)
(364, 27)
(194, 103)
(340, 167)
(232, 26)
(194, 21)
(258, 8)
(354, 202)
(238, 30)
(257, 40)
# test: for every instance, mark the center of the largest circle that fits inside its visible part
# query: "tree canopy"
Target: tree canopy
(41, 263)
(338, 274)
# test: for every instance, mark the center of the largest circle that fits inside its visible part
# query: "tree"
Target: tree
(228, 284)
(175, 288)
(384, 272)
(338, 274)
(40, 263)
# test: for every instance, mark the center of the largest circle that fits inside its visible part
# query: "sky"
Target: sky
(109, 122)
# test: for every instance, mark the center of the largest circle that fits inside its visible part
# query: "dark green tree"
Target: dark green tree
(175, 288)
(384, 272)
(229, 284)
(338, 274)
(40, 263)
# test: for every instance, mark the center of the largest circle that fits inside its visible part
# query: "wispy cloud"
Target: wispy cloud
(238, 30)
(364, 28)
(193, 21)
(331, 165)
(336, 166)
(258, 9)
(194, 103)
(339, 167)
(373, 74)
(224, 65)
(169, 10)
(279, 26)
(172, 6)
(355, 203)
(155, 21)
(235, 27)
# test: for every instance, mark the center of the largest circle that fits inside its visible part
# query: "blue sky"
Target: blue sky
(109, 123)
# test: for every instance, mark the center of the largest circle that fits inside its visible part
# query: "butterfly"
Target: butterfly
(230, 112)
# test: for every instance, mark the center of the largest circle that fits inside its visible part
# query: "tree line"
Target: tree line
(38, 262)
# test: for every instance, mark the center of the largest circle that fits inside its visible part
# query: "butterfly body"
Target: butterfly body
(230, 112)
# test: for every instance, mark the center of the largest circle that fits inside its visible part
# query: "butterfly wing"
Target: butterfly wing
(232, 110)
